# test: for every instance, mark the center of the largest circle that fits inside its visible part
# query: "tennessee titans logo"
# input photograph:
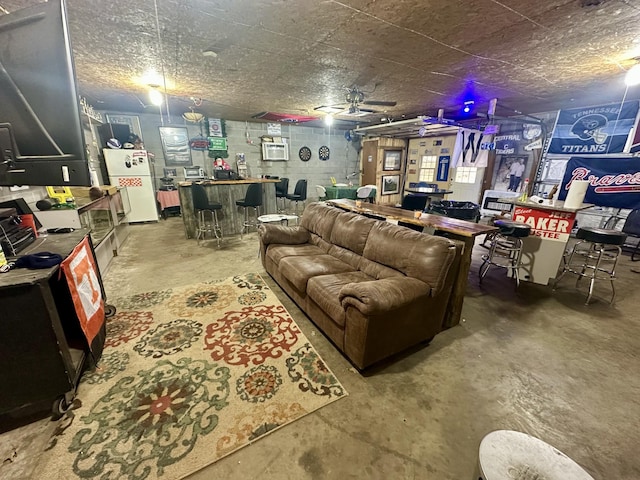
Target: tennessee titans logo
(590, 127)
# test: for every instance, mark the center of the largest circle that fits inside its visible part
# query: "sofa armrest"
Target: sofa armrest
(282, 234)
(382, 295)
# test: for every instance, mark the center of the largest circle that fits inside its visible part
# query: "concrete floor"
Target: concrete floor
(531, 360)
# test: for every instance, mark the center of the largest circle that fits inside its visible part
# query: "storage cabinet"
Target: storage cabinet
(106, 218)
(42, 348)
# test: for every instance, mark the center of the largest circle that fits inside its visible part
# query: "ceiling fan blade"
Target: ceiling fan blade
(380, 103)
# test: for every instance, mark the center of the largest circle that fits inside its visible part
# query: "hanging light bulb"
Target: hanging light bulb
(328, 120)
(156, 97)
(633, 76)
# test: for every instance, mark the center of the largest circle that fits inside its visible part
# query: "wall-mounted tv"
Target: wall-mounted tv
(41, 137)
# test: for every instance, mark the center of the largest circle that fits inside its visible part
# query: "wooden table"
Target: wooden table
(452, 228)
(226, 192)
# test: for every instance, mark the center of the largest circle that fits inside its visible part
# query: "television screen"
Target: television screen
(41, 137)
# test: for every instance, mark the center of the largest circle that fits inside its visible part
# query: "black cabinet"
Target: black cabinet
(42, 348)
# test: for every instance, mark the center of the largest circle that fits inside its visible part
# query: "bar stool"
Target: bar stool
(282, 189)
(596, 252)
(202, 204)
(252, 199)
(299, 193)
(505, 249)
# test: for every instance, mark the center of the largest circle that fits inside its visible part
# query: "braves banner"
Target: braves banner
(594, 130)
(613, 182)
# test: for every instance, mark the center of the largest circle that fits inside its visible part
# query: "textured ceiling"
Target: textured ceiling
(291, 56)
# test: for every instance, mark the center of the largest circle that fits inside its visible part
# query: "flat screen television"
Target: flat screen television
(41, 136)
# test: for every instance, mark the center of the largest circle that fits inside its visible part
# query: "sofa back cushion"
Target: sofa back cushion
(415, 254)
(318, 218)
(350, 231)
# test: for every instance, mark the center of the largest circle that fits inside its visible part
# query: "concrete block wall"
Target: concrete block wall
(30, 194)
(245, 138)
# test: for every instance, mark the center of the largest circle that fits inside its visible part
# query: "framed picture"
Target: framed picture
(392, 160)
(175, 146)
(133, 121)
(390, 184)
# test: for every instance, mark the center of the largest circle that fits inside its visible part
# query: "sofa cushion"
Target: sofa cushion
(319, 218)
(278, 252)
(350, 231)
(325, 290)
(377, 270)
(299, 269)
(425, 257)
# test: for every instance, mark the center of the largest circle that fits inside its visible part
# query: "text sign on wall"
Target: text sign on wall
(613, 182)
(593, 130)
(217, 143)
(548, 224)
(443, 168)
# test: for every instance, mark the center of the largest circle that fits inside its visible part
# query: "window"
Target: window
(428, 165)
(466, 174)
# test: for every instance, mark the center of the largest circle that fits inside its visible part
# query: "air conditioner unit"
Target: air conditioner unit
(275, 152)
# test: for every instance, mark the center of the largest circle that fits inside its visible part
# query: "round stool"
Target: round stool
(509, 455)
(505, 249)
(594, 256)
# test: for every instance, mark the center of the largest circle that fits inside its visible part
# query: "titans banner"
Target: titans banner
(593, 130)
(613, 182)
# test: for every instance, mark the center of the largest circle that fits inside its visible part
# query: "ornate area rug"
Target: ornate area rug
(188, 375)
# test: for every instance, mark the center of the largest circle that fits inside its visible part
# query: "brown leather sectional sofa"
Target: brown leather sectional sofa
(372, 287)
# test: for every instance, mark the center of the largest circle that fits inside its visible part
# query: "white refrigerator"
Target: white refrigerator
(131, 169)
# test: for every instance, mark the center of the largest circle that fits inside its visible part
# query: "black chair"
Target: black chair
(299, 193)
(282, 190)
(594, 256)
(202, 204)
(632, 229)
(414, 202)
(505, 250)
(252, 199)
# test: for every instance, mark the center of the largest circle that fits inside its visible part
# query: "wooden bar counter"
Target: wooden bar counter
(226, 192)
(452, 228)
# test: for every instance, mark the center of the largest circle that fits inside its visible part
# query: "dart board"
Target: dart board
(304, 154)
(323, 153)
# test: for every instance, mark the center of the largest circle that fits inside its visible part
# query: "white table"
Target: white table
(277, 217)
(508, 455)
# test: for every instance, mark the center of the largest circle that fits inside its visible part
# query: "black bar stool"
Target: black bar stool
(252, 199)
(299, 194)
(282, 189)
(505, 249)
(202, 204)
(594, 256)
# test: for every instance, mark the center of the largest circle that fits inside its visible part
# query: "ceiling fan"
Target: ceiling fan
(355, 98)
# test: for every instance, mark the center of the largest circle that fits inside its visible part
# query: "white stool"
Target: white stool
(508, 455)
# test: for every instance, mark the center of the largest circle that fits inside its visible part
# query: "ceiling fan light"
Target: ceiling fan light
(194, 117)
(328, 120)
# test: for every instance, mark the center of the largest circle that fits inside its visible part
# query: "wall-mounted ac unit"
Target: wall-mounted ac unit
(275, 152)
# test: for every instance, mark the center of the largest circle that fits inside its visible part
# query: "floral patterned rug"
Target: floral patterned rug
(188, 375)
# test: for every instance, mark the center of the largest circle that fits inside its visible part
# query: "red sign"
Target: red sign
(81, 272)
(548, 224)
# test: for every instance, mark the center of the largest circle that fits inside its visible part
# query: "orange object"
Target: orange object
(82, 277)
(29, 221)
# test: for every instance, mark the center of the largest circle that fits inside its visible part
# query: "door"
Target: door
(466, 183)
(369, 162)
(141, 197)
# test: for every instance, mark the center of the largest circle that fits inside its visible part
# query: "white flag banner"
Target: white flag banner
(215, 127)
(471, 149)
